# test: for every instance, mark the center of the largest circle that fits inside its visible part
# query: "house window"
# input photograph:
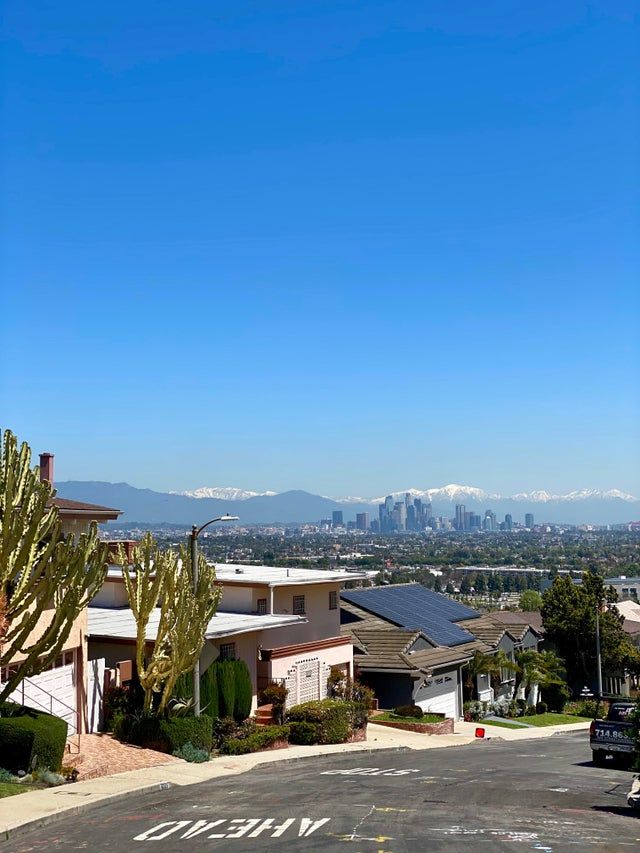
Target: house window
(262, 607)
(298, 605)
(227, 651)
(333, 600)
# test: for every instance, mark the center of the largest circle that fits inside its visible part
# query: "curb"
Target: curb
(45, 820)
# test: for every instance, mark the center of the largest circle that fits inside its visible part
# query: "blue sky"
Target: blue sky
(341, 246)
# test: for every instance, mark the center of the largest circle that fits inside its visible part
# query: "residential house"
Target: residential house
(284, 623)
(411, 645)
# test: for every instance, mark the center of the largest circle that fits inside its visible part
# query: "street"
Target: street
(493, 795)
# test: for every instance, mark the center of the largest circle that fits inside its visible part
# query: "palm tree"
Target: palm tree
(541, 668)
(491, 665)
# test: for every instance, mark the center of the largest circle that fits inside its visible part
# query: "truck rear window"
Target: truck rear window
(619, 713)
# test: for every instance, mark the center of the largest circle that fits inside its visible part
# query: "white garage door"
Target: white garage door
(53, 691)
(437, 694)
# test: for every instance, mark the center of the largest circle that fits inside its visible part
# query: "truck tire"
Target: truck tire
(599, 757)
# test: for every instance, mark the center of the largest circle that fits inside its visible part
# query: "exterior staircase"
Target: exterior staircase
(264, 715)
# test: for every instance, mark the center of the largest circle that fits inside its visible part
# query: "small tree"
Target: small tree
(164, 581)
(530, 600)
(46, 579)
(541, 668)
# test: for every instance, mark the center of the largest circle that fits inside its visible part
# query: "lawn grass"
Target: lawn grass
(389, 717)
(555, 719)
(503, 724)
(9, 789)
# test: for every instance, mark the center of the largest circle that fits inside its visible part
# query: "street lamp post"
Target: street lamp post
(195, 532)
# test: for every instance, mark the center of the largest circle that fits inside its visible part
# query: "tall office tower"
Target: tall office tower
(475, 522)
(362, 521)
(508, 522)
(428, 512)
(460, 513)
(528, 520)
(337, 517)
(411, 518)
(466, 524)
(400, 515)
(382, 517)
(388, 502)
(419, 512)
(408, 499)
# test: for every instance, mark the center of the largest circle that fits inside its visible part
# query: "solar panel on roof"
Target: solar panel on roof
(415, 606)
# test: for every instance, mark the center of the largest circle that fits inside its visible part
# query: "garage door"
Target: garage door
(53, 691)
(437, 694)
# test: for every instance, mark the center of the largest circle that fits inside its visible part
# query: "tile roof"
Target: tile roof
(513, 618)
(485, 628)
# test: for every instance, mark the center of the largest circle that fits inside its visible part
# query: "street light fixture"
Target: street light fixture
(195, 532)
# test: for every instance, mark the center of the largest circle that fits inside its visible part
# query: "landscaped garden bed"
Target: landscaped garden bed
(413, 719)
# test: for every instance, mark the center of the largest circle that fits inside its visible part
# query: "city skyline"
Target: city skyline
(323, 246)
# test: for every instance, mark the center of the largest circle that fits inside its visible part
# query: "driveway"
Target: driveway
(490, 795)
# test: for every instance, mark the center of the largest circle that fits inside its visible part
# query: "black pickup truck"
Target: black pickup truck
(613, 736)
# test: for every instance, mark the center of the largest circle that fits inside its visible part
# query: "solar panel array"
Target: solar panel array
(414, 606)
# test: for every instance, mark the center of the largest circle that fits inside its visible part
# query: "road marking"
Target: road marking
(235, 828)
(368, 771)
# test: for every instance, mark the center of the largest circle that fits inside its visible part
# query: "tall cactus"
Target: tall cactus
(46, 580)
(164, 580)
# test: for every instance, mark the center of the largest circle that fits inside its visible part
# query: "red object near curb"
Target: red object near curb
(479, 732)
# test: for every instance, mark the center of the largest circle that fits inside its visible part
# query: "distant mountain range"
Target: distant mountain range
(587, 506)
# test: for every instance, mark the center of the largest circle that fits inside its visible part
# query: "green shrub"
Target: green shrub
(542, 708)
(556, 696)
(188, 752)
(334, 718)
(530, 711)
(474, 711)
(408, 711)
(5, 776)
(226, 687)
(30, 738)
(262, 738)
(127, 700)
(209, 693)
(244, 691)
(304, 734)
(177, 731)
(274, 694)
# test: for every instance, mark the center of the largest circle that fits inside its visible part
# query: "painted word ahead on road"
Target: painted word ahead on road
(240, 827)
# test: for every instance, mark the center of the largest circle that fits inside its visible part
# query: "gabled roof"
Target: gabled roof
(516, 620)
(485, 629)
(415, 607)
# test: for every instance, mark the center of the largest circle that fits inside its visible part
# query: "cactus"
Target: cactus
(46, 580)
(164, 580)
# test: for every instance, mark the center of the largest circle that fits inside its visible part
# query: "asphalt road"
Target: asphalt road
(540, 795)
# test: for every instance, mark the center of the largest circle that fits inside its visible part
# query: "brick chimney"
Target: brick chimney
(46, 467)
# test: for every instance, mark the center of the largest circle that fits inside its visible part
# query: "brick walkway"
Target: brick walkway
(102, 755)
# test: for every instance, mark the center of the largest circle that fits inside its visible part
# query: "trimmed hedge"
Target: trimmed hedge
(30, 738)
(408, 711)
(178, 731)
(263, 738)
(226, 687)
(244, 691)
(304, 734)
(333, 717)
(167, 734)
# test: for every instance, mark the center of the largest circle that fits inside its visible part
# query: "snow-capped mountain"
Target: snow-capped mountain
(455, 493)
(223, 493)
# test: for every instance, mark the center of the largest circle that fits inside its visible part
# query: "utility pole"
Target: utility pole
(598, 653)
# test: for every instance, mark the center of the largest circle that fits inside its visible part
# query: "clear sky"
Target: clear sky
(341, 246)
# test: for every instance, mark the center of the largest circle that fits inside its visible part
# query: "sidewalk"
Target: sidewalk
(38, 808)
